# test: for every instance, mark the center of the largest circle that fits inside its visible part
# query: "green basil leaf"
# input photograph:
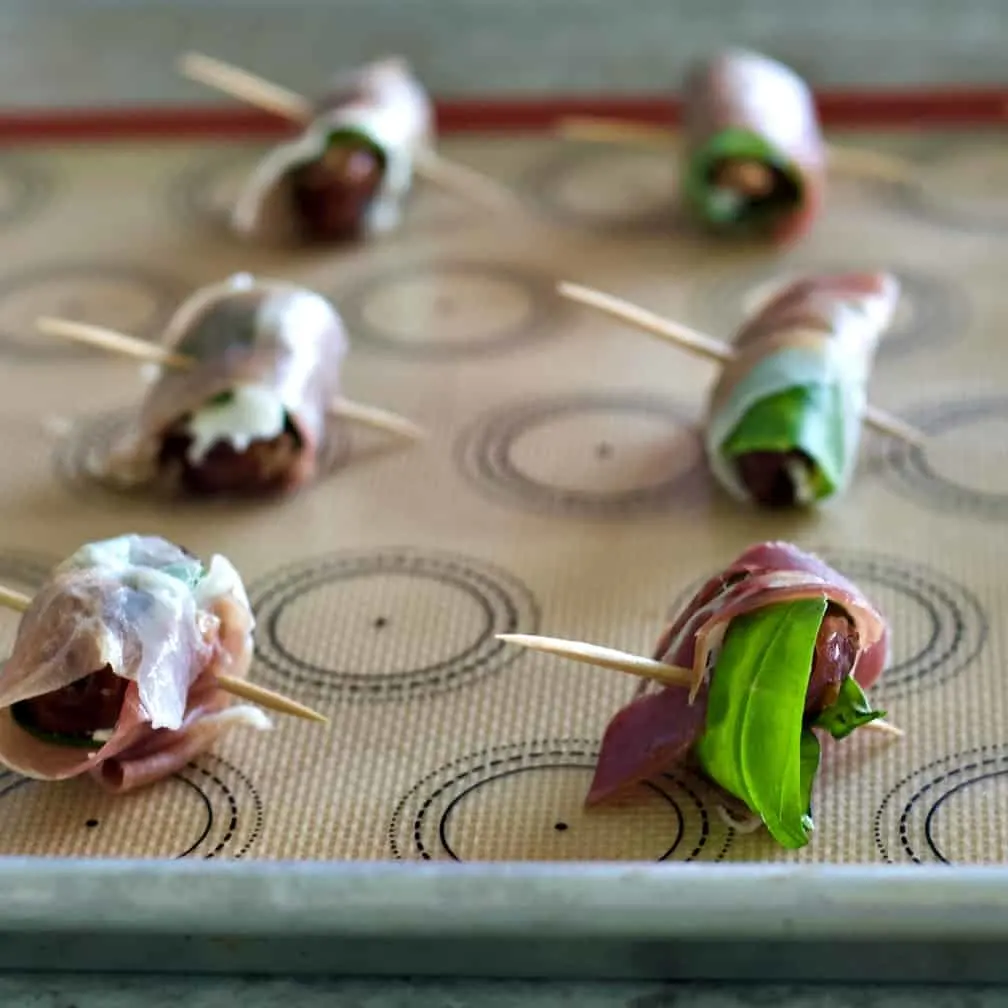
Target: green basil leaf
(809, 759)
(221, 399)
(850, 711)
(751, 744)
(806, 418)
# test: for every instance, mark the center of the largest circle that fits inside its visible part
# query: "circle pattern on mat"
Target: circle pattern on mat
(932, 310)
(401, 624)
(628, 191)
(962, 467)
(937, 626)
(591, 454)
(135, 301)
(25, 187)
(950, 811)
(206, 190)
(208, 809)
(445, 309)
(78, 458)
(960, 185)
(526, 802)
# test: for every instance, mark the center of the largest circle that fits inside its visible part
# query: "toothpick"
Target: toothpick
(11, 599)
(120, 343)
(623, 661)
(380, 419)
(268, 698)
(108, 339)
(843, 159)
(601, 130)
(246, 87)
(603, 657)
(254, 90)
(706, 346)
(872, 164)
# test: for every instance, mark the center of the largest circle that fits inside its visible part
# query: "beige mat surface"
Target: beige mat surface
(562, 491)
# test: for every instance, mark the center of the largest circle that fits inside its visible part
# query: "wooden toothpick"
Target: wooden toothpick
(601, 130)
(129, 346)
(623, 661)
(11, 599)
(246, 87)
(254, 90)
(706, 346)
(603, 657)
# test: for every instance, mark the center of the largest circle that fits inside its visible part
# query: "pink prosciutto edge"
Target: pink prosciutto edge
(57, 645)
(656, 731)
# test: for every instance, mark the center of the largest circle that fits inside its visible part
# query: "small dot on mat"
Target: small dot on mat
(91, 823)
(380, 623)
(560, 827)
(603, 449)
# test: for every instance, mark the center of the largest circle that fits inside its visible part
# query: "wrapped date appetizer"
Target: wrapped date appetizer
(247, 413)
(770, 651)
(113, 670)
(754, 158)
(347, 175)
(784, 419)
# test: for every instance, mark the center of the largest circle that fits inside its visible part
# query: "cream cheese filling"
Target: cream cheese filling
(251, 413)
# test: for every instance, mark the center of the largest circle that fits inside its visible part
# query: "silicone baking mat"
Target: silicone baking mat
(562, 491)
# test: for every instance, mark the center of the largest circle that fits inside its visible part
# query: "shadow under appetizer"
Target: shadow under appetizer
(125, 665)
(784, 418)
(771, 652)
(248, 375)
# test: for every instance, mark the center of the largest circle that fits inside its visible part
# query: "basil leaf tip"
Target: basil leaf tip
(850, 711)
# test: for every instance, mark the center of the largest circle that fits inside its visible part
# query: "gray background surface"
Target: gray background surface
(72, 53)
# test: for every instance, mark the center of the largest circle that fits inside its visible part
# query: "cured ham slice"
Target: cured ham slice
(660, 730)
(755, 156)
(113, 668)
(249, 415)
(347, 176)
(784, 419)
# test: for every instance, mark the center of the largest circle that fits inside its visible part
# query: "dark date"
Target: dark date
(331, 196)
(836, 649)
(770, 476)
(88, 705)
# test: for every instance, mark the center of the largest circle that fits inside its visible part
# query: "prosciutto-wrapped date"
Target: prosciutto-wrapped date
(781, 645)
(784, 419)
(249, 415)
(346, 177)
(755, 160)
(113, 668)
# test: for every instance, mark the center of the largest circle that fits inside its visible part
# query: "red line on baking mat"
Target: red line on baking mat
(949, 107)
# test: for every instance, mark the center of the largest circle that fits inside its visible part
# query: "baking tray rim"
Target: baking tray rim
(752, 902)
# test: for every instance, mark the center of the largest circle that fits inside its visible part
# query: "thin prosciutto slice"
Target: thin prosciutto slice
(657, 730)
(243, 332)
(122, 603)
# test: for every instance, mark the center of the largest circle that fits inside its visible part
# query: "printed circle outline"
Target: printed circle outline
(18, 781)
(496, 756)
(507, 601)
(482, 455)
(915, 198)
(97, 431)
(163, 292)
(911, 475)
(952, 609)
(941, 311)
(966, 762)
(545, 180)
(540, 320)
